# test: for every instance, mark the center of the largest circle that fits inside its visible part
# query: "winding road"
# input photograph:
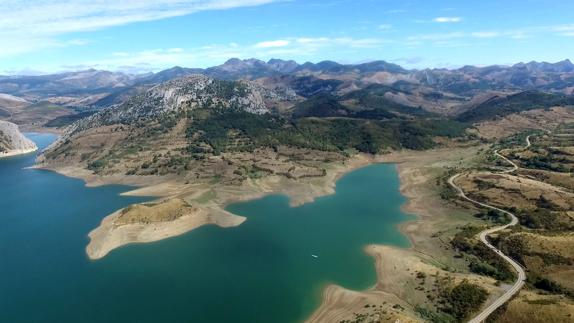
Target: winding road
(483, 238)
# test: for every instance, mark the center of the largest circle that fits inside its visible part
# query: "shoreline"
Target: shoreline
(17, 152)
(396, 265)
(108, 236)
(413, 175)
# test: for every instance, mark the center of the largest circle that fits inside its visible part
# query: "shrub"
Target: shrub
(464, 299)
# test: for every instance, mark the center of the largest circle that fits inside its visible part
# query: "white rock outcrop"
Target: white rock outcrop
(13, 142)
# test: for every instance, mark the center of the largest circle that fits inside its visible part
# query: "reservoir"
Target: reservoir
(272, 268)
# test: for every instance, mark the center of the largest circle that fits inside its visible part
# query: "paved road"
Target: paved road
(514, 166)
(514, 220)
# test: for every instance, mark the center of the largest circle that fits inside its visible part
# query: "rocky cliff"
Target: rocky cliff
(12, 141)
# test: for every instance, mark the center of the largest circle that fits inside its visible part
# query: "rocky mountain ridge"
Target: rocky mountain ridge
(182, 95)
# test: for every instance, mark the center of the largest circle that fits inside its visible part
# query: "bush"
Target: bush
(97, 165)
(432, 316)
(464, 299)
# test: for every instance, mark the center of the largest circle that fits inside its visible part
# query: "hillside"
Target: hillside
(501, 106)
(185, 125)
(12, 142)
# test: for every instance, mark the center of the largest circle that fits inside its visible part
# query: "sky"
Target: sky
(138, 36)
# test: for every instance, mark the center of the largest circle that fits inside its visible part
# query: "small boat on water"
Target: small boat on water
(314, 256)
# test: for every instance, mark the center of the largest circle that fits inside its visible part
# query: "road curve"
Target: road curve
(514, 166)
(483, 234)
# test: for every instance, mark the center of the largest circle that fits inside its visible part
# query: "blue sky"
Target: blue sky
(150, 35)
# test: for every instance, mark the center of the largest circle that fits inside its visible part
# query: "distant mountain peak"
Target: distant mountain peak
(558, 67)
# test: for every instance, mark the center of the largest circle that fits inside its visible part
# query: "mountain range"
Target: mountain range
(59, 99)
(93, 85)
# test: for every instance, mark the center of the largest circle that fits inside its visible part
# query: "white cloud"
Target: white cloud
(447, 19)
(485, 34)
(30, 25)
(272, 44)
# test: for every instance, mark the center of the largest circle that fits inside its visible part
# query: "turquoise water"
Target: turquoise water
(261, 271)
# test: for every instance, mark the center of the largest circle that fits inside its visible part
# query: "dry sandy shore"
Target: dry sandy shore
(17, 152)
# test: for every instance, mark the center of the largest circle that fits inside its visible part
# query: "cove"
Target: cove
(261, 271)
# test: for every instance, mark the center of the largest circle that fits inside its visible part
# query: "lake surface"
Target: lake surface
(261, 271)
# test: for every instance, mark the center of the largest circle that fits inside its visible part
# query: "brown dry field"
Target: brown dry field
(34, 117)
(533, 119)
(504, 190)
(531, 307)
(539, 245)
(163, 211)
(562, 180)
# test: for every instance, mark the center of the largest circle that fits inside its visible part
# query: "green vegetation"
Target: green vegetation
(308, 86)
(516, 247)
(464, 299)
(44, 106)
(369, 103)
(433, 316)
(549, 161)
(483, 261)
(373, 97)
(493, 216)
(517, 140)
(322, 105)
(456, 303)
(542, 218)
(221, 130)
(97, 165)
(548, 285)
